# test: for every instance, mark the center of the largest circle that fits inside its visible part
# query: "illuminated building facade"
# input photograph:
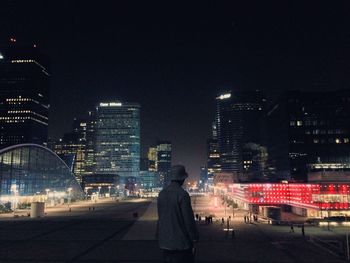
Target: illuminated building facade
(213, 153)
(24, 97)
(90, 134)
(117, 139)
(100, 184)
(28, 172)
(163, 164)
(308, 128)
(311, 200)
(239, 121)
(72, 148)
(152, 159)
(148, 180)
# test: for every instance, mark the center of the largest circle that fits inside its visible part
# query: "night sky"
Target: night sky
(174, 58)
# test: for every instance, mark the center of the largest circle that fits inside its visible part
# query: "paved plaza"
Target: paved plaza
(109, 231)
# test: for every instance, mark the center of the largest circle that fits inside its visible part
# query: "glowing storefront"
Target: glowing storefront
(30, 172)
(311, 199)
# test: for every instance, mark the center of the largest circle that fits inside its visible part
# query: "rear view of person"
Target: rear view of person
(177, 229)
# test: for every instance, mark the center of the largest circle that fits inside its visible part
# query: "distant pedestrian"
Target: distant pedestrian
(200, 218)
(177, 231)
(197, 217)
(245, 219)
(291, 229)
(222, 221)
(303, 230)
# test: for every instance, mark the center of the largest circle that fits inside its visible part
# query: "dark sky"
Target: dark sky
(173, 58)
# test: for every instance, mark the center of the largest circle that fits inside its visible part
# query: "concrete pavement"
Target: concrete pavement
(112, 234)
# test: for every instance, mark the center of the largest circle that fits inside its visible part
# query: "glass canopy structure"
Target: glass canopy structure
(31, 172)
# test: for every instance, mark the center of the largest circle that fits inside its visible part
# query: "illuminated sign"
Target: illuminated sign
(224, 96)
(110, 104)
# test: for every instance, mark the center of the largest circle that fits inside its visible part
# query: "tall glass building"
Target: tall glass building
(29, 172)
(24, 96)
(239, 121)
(117, 139)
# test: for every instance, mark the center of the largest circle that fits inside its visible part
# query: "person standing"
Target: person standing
(177, 230)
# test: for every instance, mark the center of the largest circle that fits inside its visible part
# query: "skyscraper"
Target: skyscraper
(24, 96)
(152, 159)
(89, 165)
(213, 153)
(117, 139)
(238, 120)
(72, 148)
(163, 163)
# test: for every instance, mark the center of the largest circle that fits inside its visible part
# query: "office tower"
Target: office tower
(24, 96)
(213, 153)
(152, 159)
(72, 148)
(203, 179)
(309, 129)
(90, 144)
(164, 162)
(117, 139)
(148, 180)
(238, 120)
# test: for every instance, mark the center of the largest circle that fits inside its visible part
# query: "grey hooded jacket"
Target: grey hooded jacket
(176, 225)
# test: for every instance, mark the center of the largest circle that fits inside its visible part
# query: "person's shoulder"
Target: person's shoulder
(183, 192)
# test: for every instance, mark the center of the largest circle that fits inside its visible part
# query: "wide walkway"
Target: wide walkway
(111, 233)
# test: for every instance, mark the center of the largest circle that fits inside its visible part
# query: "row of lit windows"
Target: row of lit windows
(331, 140)
(18, 99)
(22, 61)
(20, 119)
(27, 111)
(317, 131)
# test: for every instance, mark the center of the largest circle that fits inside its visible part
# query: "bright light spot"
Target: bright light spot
(1, 56)
(225, 96)
(110, 104)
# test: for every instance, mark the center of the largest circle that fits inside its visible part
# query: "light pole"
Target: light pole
(109, 191)
(99, 192)
(47, 190)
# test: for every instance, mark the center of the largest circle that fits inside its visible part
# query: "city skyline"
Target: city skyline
(174, 65)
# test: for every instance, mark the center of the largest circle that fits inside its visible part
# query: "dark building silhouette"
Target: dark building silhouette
(24, 96)
(307, 128)
(239, 122)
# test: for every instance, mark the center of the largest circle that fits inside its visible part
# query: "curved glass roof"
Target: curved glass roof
(31, 169)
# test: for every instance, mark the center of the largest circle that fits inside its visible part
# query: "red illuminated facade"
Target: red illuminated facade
(330, 196)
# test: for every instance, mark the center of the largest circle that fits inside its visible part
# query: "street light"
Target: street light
(14, 190)
(109, 191)
(99, 191)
